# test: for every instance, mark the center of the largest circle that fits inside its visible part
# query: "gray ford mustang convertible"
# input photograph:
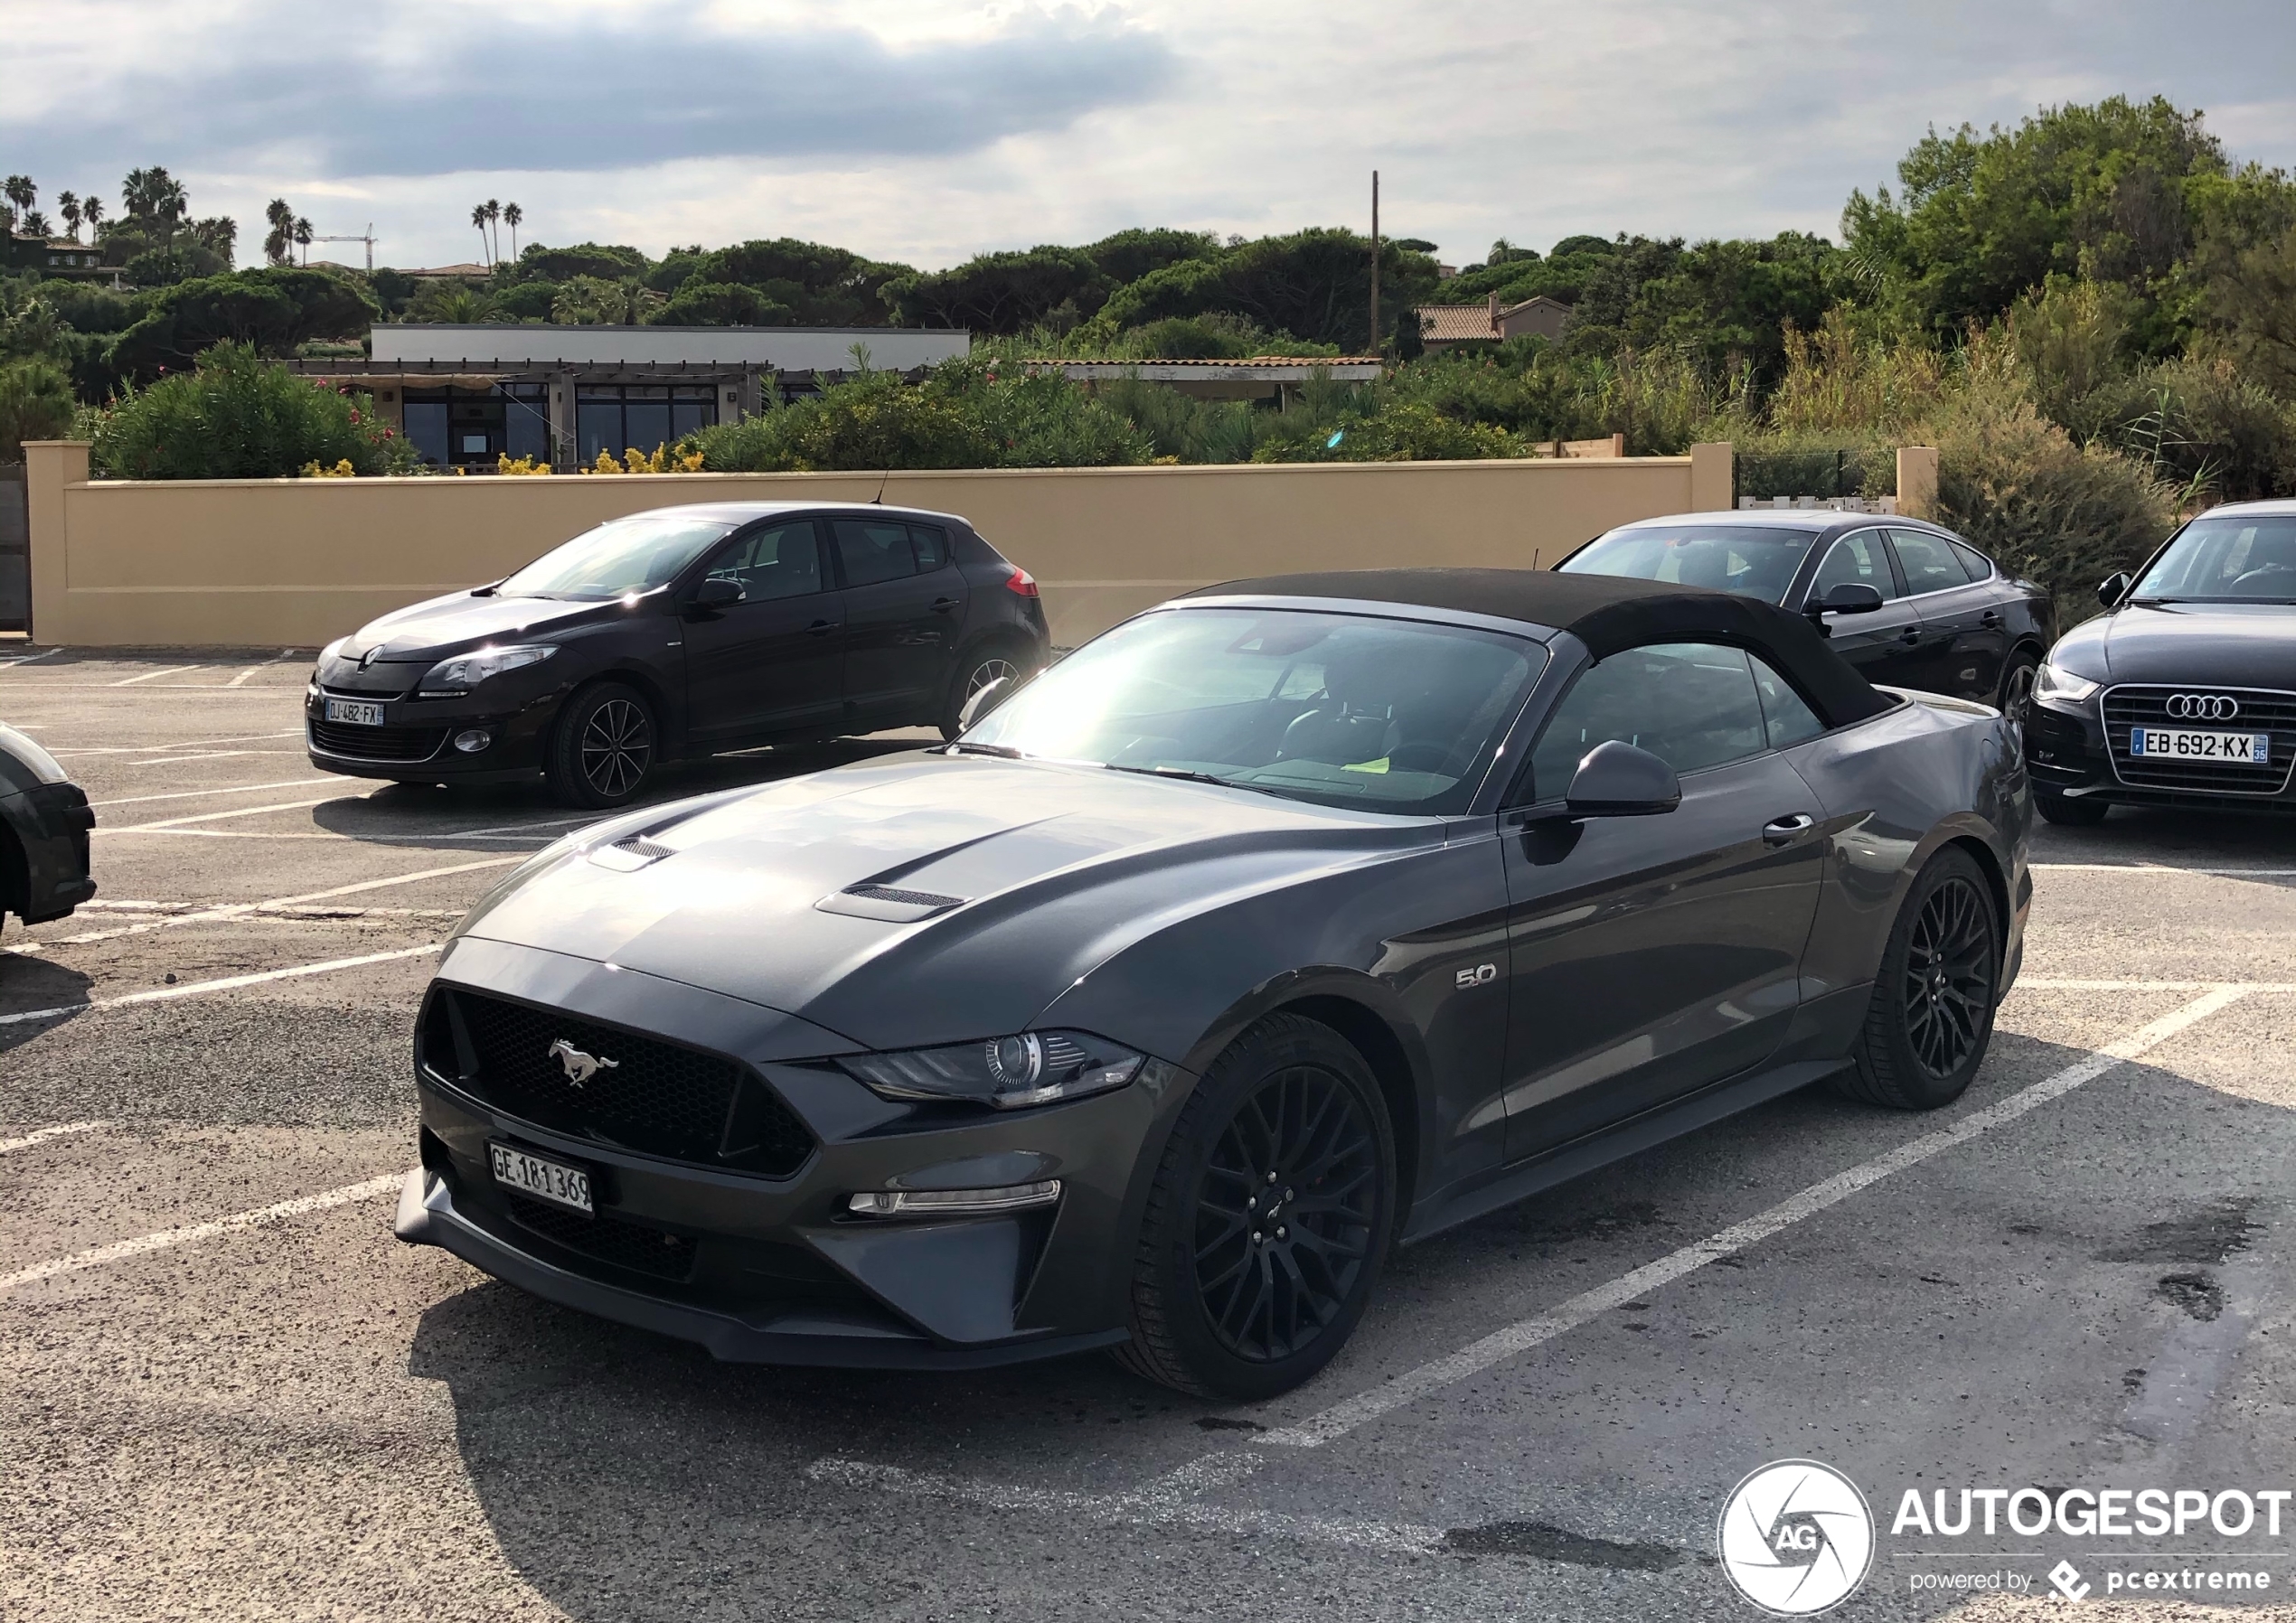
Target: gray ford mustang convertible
(1283, 924)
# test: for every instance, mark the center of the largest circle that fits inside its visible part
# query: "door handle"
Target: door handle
(1784, 830)
(821, 628)
(941, 605)
(1989, 617)
(1911, 635)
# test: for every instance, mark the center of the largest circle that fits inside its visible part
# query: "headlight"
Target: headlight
(1007, 1073)
(450, 679)
(2052, 683)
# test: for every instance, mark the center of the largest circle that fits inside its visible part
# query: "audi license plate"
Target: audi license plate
(351, 711)
(531, 1174)
(2173, 744)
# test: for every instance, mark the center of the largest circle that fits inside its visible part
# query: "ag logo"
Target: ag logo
(1796, 1538)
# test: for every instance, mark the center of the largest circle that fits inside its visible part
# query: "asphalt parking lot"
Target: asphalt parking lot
(227, 1392)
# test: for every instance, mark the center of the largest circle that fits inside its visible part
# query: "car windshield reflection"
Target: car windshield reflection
(1334, 708)
(1730, 558)
(2226, 560)
(636, 554)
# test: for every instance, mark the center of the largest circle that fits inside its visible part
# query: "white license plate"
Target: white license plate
(544, 1179)
(2176, 744)
(351, 709)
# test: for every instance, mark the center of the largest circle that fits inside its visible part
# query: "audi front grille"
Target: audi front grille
(2259, 710)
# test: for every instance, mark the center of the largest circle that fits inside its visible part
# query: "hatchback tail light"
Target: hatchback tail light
(1021, 583)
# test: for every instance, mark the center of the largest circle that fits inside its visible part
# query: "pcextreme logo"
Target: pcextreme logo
(1796, 1538)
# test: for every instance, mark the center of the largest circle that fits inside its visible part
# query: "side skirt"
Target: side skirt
(1523, 1179)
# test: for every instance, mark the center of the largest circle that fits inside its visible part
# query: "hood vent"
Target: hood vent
(629, 854)
(888, 904)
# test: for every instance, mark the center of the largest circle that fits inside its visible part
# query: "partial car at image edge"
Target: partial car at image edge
(1284, 923)
(2183, 692)
(677, 632)
(45, 821)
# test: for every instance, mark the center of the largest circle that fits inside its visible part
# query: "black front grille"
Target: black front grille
(656, 1098)
(2261, 710)
(610, 1240)
(398, 689)
(376, 743)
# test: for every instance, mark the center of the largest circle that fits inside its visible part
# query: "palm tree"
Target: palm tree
(494, 213)
(19, 190)
(478, 219)
(303, 236)
(155, 195)
(513, 217)
(91, 209)
(68, 205)
(278, 242)
(35, 224)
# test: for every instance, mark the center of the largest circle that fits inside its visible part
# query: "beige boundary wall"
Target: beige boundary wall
(297, 562)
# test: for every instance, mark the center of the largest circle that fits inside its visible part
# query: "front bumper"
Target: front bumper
(2068, 753)
(759, 1266)
(51, 823)
(416, 743)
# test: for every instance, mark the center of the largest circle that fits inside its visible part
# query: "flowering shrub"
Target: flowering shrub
(525, 466)
(242, 417)
(342, 470)
(634, 461)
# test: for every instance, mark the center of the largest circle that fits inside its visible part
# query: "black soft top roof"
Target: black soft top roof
(1607, 613)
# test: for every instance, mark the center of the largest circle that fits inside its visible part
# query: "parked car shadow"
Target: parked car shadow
(27, 983)
(426, 812)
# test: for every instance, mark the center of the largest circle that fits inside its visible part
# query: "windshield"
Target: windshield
(1731, 557)
(2227, 561)
(635, 554)
(1340, 709)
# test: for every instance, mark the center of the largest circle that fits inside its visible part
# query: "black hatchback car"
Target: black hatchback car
(45, 823)
(684, 630)
(1909, 604)
(2184, 692)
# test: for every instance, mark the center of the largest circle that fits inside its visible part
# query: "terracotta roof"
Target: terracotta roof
(1456, 324)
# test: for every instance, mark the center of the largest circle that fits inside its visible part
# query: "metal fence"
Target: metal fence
(1844, 471)
(15, 552)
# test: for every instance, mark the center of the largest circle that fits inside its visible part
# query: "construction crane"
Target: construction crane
(369, 239)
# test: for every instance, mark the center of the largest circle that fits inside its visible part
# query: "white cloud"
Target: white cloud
(922, 130)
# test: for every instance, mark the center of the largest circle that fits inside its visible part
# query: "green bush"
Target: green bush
(36, 403)
(242, 417)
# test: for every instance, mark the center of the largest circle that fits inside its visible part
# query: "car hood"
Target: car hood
(456, 623)
(1047, 869)
(2250, 646)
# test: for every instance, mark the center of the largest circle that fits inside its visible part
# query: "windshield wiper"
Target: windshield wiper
(1187, 773)
(1003, 752)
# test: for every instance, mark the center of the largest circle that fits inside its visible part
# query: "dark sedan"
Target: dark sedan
(2183, 693)
(1280, 924)
(684, 630)
(1907, 602)
(44, 824)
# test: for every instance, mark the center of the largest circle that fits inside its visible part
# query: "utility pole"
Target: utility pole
(1375, 262)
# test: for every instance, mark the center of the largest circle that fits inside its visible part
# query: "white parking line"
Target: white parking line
(2048, 984)
(228, 983)
(155, 749)
(2167, 867)
(1500, 1345)
(150, 676)
(120, 1250)
(1162, 1504)
(227, 911)
(178, 822)
(46, 1133)
(33, 659)
(251, 670)
(193, 794)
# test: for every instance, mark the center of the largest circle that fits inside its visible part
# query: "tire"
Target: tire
(2067, 812)
(1223, 1303)
(977, 671)
(1932, 1015)
(605, 747)
(2015, 695)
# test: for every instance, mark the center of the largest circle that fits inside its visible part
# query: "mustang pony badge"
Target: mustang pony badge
(580, 1067)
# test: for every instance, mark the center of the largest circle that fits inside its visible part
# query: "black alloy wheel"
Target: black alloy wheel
(604, 750)
(995, 663)
(1932, 1014)
(1269, 1218)
(2017, 685)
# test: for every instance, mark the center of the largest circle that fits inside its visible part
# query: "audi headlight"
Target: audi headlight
(2051, 683)
(1007, 1073)
(451, 678)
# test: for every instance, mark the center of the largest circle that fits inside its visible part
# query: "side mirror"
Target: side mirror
(985, 698)
(1617, 780)
(2112, 588)
(716, 592)
(1845, 597)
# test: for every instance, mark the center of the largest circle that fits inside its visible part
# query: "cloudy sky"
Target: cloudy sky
(926, 130)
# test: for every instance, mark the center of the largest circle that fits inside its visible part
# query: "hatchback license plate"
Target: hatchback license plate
(351, 711)
(529, 1174)
(2172, 743)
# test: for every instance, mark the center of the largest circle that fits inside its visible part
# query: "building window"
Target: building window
(614, 417)
(473, 430)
